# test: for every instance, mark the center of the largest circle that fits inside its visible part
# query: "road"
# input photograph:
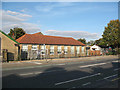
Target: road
(94, 74)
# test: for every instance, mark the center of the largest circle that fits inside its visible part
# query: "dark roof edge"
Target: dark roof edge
(9, 37)
(53, 44)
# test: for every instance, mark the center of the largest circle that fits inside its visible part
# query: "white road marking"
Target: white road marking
(76, 79)
(38, 72)
(60, 64)
(30, 73)
(86, 84)
(116, 69)
(37, 63)
(110, 76)
(33, 62)
(25, 74)
(115, 61)
(92, 65)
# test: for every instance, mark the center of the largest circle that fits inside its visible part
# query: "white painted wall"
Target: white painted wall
(96, 47)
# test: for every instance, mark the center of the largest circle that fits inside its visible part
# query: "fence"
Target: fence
(49, 53)
(34, 54)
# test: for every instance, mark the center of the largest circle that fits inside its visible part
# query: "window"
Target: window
(24, 47)
(43, 48)
(34, 47)
(65, 49)
(78, 49)
(59, 50)
(82, 49)
(52, 50)
(72, 49)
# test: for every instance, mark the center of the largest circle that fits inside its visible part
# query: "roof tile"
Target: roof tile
(45, 39)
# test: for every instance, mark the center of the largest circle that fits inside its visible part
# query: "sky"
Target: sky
(68, 19)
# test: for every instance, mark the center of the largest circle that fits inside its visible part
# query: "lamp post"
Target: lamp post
(44, 51)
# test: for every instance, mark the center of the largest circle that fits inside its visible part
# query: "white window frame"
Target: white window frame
(24, 47)
(34, 47)
(43, 50)
(59, 49)
(78, 49)
(72, 49)
(65, 49)
(51, 50)
(83, 49)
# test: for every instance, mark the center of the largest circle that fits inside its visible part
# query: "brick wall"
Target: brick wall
(95, 53)
(7, 43)
(56, 55)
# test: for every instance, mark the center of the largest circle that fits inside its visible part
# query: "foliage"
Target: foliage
(15, 33)
(111, 34)
(97, 42)
(100, 42)
(82, 40)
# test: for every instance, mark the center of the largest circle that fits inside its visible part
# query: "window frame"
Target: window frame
(72, 49)
(65, 50)
(83, 49)
(59, 51)
(52, 50)
(34, 46)
(24, 49)
(78, 49)
(43, 49)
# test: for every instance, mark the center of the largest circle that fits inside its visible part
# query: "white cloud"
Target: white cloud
(17, 14)
(74, 34)
(60, 8)
(47, 7)
(28, 27)
(22, 10)
(7, 17)
(12, 19)
(12, 13)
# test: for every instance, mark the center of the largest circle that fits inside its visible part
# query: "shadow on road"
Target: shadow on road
(49, 77)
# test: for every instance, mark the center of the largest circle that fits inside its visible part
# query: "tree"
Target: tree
(91, 42)
(82, 40)
(111, 34)
(100, 42)
(15, 33)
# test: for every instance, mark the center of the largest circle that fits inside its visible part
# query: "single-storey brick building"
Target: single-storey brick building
(9, 48)
(43, 46)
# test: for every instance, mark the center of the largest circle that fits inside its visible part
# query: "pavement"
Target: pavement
(37, 63)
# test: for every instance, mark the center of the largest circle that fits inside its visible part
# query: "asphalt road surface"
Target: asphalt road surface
(97, 74)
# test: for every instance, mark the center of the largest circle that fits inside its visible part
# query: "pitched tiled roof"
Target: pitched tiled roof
(45, 39)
